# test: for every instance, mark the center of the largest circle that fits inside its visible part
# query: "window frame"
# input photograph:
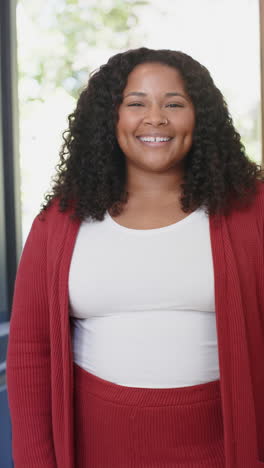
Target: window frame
(10, 196)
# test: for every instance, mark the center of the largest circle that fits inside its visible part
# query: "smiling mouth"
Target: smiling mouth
(154, 144)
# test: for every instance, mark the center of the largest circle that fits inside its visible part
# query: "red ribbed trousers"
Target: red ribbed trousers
(128, 427)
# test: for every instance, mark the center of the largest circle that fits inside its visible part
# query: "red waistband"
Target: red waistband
(146, 396)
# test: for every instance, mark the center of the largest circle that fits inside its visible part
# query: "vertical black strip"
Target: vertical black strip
(4, 316)
(10, 204)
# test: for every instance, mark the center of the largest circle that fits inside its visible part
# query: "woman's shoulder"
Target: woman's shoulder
(51, 221)
(53, 211)
(255, 211)
(248, 209)
(260, 193)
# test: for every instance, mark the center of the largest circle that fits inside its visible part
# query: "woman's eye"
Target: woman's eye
(169, 105)
(175, 105)
(136, 104)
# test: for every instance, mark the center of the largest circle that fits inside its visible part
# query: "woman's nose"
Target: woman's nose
(155, 117)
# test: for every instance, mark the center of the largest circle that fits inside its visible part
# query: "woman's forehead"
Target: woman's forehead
(153, 78)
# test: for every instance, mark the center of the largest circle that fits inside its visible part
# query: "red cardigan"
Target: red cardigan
(39, 358)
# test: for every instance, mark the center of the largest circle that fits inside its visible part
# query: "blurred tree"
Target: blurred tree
(70, 30)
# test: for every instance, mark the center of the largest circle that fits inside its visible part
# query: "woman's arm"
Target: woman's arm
(28, 358)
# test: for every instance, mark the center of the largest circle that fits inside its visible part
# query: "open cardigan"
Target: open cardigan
(39, 357)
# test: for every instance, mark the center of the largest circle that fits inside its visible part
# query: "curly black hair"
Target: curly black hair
(91, 174)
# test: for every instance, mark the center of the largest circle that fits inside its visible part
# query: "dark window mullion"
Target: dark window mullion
(10, 198)
(4, 313)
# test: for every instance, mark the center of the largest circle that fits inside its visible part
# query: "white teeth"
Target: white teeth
(154, 139)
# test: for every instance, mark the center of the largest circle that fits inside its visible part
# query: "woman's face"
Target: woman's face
(155, 104)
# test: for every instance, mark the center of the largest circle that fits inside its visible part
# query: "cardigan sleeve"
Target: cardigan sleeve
(28, 358)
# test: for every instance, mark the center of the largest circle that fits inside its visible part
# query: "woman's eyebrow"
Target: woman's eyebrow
(137, 93)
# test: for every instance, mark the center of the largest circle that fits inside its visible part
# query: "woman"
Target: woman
(144, 268)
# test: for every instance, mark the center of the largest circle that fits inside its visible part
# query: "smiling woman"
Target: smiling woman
(140, 333)
(144, 93)
(156, 120)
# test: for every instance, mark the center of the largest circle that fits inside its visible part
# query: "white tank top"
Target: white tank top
(142, 306)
